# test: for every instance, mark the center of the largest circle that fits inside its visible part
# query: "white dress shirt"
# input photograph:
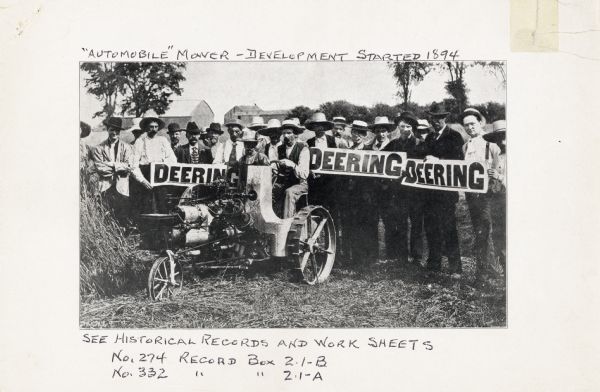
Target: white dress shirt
(151, 150)
(273, 154)
(379, 147)
(321, 142)
(224, 151)
(302, 169)
(475, 150)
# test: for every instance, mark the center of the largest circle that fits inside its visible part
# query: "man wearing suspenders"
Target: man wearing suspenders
(477, 148)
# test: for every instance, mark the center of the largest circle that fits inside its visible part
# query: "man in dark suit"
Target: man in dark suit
(193, 152)
(439, 206)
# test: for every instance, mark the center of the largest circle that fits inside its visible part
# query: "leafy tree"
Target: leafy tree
(382, 109)
(303, 113)
(105, 84)
(496, 68)
(456, 86)
(149, 86)
(492, 111)
(337, 108)
(408, 74)
(136, 87)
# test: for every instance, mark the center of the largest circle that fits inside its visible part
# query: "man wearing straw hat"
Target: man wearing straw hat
(150, 148)
(497, 187)
(273, 132)
(339, 127)
(359, 233)
(477, 148)
(390, 206)
(293, 169)
(321, 187)
(439, 206)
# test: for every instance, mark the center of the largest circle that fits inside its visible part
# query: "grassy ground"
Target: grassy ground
(375, 294)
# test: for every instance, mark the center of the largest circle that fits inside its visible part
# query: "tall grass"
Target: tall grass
(108, 264)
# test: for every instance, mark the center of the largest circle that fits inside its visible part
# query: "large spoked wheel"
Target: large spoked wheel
(311, 244)
(165, 279)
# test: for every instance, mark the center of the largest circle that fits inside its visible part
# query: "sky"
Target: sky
(284, 85)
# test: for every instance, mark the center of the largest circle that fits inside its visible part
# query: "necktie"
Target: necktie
(115, 151)
(195, 157)
(232, 156)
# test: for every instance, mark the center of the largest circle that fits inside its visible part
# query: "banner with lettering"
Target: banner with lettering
(446, 175)
(367, 163)
(183, 174)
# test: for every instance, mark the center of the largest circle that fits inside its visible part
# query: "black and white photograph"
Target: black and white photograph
(293, 194)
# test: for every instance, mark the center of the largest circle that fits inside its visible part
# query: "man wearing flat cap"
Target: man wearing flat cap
(439, 206)
(232, 150)
(113, 160)
(174, 133)
(150, 148)
(477, 148)
(193, 151)
(293, 169)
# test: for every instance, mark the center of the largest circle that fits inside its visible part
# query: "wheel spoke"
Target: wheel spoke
(305, 258)
(314, 266)
(159, 295)
(318, 230)
(161, 280)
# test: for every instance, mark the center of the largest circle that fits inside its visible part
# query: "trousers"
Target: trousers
(481, 219)
(440, 227)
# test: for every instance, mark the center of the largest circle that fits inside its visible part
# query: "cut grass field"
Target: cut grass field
(375, 294)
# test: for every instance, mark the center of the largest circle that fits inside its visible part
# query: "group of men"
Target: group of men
(357, 203)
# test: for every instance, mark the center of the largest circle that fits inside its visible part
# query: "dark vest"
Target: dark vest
(291, 178)
(330, 141)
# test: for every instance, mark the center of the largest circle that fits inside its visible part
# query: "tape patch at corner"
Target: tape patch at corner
(534, 25)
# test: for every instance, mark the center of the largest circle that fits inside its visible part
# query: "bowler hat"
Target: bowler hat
(173, 127)
(437, 110)
(214, 127)
(114, 122)
(147, 120)
(408, 118)
(84, 129)
(382, 122)
(193, 128)
(498, 132)
(316, 119)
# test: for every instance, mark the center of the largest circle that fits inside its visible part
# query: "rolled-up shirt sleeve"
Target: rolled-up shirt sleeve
(302, 169)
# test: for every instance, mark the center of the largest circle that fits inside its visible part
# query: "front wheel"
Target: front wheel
(311, 244)
(165, 279)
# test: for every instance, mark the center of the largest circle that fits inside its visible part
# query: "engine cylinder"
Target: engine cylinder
(192, 214)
